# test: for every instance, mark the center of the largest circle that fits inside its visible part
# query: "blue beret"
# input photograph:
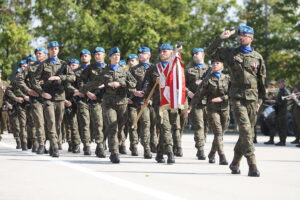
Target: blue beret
(31, 59)
(132, 56)
(74, 60)
(41, 49)
(19, 70)
(99, 49)
(114, 50)
(196, 50)
(85, 51)
(22, 62)
(245, 30)
(144, 49)
(53, 44)
(166, 47)
(122, 62)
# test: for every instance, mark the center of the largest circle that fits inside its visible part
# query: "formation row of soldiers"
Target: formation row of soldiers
(94, 100)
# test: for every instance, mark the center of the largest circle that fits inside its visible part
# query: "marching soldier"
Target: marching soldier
(247, 71)
(25, 81)
(83, 113)
(49, 82)
(194, 76)
(95, 99)
(118, 83)
(70, 118)
(215, 90)
(143, 125)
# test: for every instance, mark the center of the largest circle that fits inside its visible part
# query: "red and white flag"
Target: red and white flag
(172, 83)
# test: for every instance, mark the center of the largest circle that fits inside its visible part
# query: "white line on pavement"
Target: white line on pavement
(103, 176)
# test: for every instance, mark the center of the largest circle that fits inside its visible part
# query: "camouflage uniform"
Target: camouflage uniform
(12, 92)
(115, 104)
(53, 108)
(218, 113)
(198, 112)
(25, 81)
(3, 109)
(90, 74)
(138, 72)
(247, 72)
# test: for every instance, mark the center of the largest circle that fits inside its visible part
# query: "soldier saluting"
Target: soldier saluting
(247, 71)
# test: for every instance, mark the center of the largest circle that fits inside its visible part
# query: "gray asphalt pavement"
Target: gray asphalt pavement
(25, 175)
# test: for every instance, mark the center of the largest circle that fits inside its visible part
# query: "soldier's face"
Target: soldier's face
(144, 57)
(217, 66)
(74, 66)
(115, 58)
(245, 39)
(198, 57)
(165, 55)
(99, 56)
(40, 56)
(53, 52)
(24, 66)
(85, 58)
(133, 62)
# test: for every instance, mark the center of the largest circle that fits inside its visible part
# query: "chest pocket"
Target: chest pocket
(140, 74)
(47, 71)
(251, 64)
(213, 86)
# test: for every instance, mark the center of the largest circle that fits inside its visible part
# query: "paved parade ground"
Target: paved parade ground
(25, 175)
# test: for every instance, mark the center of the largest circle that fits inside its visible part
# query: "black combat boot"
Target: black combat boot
(29, 144)
(281, 143)
(100, 153)
(200, 154)
(171, 158)
(55, 153)
(269, 142)
(114, 158)
(253, 171)
(122, 149)
(179, 152)
(296, 141)
(222, 160)
(160, 157)
(76, 149)
(70, 149)
(50, 150)
(87, 151)
(24, 146)
(235, 168)
(134, 150)
(41, 149)
(211, 157)
(153, 148)
(147, 154)
(18, 145)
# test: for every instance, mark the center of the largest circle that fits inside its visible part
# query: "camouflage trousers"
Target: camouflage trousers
(71, 127)
(4, 119)
(141, 129)
(116, 116)
(22, 121)
(218, 122)
(198, 118)
(96, 116)
(165, 143)
(83, 116)
(154, 127)
(53, 113)
(15, 125)
(31, 129)
(39, 123)
(245, 115)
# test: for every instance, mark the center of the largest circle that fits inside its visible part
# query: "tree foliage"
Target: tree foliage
(129, 24)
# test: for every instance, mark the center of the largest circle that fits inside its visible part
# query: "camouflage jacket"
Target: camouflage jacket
(247, 71)
(192, 75)
(114, 96)
(213, 88)
(139, 72)
(55, 88)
